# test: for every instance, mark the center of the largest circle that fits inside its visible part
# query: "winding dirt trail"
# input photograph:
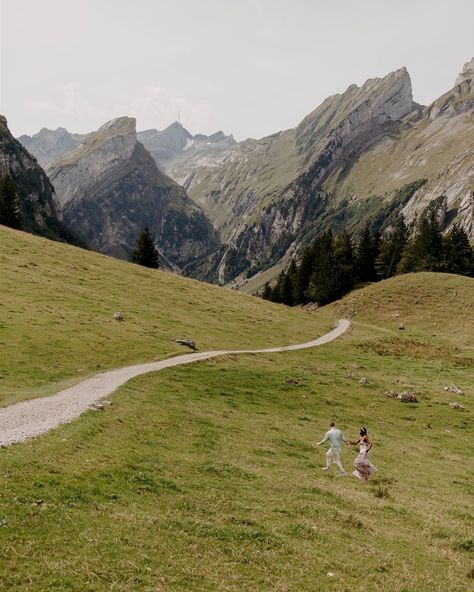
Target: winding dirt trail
(31, 418)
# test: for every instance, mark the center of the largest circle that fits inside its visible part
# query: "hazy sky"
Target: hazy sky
(248, 67)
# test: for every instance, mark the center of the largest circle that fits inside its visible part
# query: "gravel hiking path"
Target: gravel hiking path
(31, 418)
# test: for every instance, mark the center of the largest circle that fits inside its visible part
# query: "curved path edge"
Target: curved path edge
(31, 418)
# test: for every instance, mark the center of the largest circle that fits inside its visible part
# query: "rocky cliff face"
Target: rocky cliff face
(40, 207)
(110, 189)
(369, 153)
(47, 145)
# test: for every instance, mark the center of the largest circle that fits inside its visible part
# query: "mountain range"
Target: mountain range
(366, 155)
(110, 188)
(369, 153)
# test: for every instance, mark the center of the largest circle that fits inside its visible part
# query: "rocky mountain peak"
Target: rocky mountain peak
(356, 117)
(459, 99)
(119, 126)
(467, 72)
(98, 154)
(392, 94)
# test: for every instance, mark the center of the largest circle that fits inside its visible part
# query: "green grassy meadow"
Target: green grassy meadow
(207, 477)
(57, 306)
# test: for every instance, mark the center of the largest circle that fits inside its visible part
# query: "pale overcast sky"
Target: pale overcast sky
(248, 67)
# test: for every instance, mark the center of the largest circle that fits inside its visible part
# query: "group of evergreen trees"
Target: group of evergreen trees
(10, 209)
(331, 266)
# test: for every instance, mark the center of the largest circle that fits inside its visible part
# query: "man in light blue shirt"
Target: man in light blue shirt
(336, 440)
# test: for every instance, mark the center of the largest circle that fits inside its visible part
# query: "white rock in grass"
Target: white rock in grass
(454, 389)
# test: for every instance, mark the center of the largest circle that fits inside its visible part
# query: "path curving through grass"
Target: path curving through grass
(37, 416)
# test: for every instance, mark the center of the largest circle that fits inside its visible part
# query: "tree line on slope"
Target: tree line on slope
(331, 266)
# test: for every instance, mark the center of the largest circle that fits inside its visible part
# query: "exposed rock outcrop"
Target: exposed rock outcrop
(41, 211)
(110, 189)
(467, 72)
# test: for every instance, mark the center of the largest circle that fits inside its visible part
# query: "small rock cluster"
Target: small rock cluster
(100, 405)
(185, 341)
(454, 389)
(364, 380)
(404, 396)
(456, 405)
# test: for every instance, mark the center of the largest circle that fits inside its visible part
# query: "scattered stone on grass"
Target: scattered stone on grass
(310, 306)
(408, 397)
(100, 405)
(364, 380)
(454, 389)
(401, 326)
(456, 405)
(349, 375)
(185, 341)
(292, 381)
(118, 316)
(404, 396)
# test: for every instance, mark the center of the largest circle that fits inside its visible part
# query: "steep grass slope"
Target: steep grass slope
(207, 477)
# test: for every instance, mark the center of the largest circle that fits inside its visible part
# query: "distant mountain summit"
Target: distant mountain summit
(110, 188)
(175, 143)
(166, 144)
(41, 211)
(48, 144)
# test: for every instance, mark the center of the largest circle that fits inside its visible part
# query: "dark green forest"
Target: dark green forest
(332, 265)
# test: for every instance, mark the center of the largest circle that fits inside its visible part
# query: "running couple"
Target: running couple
(363, 467)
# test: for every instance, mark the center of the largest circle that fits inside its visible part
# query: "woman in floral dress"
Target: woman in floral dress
(363, 467)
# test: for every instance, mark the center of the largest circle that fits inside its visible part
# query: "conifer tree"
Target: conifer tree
(325, 282)
(303, 275)
(267, 292)
(425, 251)
(458, 253)
(145, 252)
(391, 250)
(10, 209)
(366, 253)
(345, 257)
(286, 289)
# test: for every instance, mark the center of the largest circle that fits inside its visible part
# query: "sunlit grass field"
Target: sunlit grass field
(207, 477)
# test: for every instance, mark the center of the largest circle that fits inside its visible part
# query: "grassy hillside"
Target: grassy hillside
(207, 477)
(56, 318)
